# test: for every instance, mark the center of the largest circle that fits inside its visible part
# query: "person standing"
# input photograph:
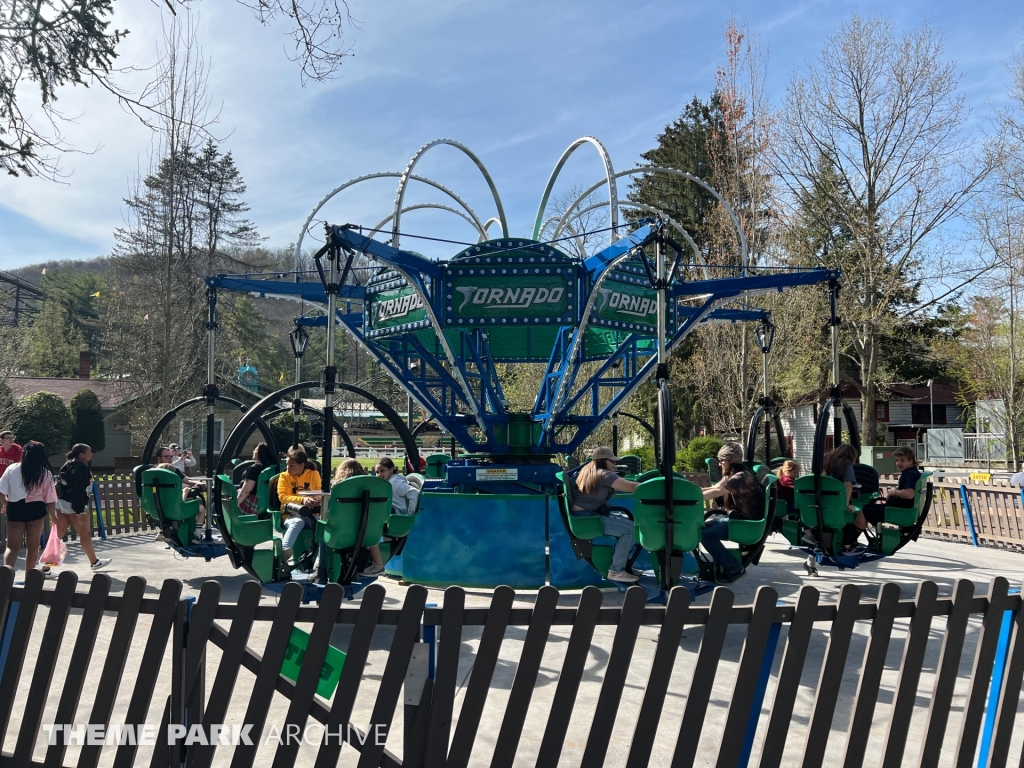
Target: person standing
(74, 480)
(10, 451)
(27, 496)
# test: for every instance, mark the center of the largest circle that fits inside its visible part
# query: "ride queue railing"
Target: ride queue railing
(530, 679)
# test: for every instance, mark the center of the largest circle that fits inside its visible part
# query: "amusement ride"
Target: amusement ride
(600, 324)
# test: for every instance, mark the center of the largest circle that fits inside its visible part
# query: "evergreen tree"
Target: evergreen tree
(43, 417)
(87, 420)
(54, 343)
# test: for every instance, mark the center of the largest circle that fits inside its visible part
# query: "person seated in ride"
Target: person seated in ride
(353, 468)
(190, 488)
(263, 458)
(297, 512)
(904, 496)
(744, 500)
(839, 463)
(400, 488)
(181, 460)
(788, 473)
(595, 484)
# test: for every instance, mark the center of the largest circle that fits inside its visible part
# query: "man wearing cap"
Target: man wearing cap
(595, 484)
(744, 500)
(181, 460)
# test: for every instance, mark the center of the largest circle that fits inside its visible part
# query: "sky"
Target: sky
(516, 81)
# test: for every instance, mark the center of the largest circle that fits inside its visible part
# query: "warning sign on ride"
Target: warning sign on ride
(497, 474)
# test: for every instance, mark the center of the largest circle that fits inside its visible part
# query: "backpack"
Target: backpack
(60, 481)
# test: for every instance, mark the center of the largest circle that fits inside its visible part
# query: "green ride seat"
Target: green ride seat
(245, 533)
(649, 516)
(630, 464)
(357, 511)
(834, 514)
(749, 533)
(161, 501)
(582, 529)
(714, 469)
(263, 488)
(238, 469)
(652, 473)
(900, 520)
(435, 465)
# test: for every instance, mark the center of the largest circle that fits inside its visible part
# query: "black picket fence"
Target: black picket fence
(161, 660)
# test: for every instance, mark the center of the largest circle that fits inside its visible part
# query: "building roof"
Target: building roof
(944, 394)
(109, 392)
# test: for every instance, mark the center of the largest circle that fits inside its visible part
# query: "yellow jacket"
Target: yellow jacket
(288, 486)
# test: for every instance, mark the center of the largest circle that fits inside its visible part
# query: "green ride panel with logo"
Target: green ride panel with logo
(394, 308)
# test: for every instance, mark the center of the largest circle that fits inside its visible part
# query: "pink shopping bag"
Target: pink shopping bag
(56, 550)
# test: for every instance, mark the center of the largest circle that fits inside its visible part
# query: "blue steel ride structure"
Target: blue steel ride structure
(597, 325)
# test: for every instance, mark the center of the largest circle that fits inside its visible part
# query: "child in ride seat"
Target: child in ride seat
(788, 473)
(903, 496)
(352, 468)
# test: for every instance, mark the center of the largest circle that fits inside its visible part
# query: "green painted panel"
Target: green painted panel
(633, 306)
(330, 674)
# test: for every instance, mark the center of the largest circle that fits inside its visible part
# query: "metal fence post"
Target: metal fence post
(99, 510)
(970, 516)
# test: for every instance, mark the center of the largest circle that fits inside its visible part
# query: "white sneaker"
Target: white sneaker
(100, 563)
(622, 576)
(372, 570)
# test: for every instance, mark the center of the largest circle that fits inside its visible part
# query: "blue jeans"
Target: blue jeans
(622, 529)
(293, 526)
(715, 531)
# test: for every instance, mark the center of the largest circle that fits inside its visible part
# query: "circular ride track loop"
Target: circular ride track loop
(167, 418)
(244, 427)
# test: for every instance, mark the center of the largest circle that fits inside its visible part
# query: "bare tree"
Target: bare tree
(875, 126)
(51, 43)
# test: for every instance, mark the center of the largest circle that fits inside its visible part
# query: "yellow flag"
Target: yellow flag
(95, 295)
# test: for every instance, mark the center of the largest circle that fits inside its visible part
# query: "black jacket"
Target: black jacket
(78, 479)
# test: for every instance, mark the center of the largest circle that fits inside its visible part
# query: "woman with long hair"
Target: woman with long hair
(595, 484)
(264, 457)
(27, 496)
(74, 479)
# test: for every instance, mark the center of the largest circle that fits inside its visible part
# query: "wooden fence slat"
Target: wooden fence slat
(703, 679)
(751, 660)
(309, 674)
(797, 641)
(149, 669)
(910, 674)
(269, 671)
(949, 666)
(831, 676)
(483, 672)
(49, 652)
(526, 678)
(113, 665)
(981, 674)
(442, 701)
(351, 673)
(871, 676)
(407, 633)
(1009, 696)
(201, 755)
(657, 683)
(78, 665)
(27, 600)
(614, 681)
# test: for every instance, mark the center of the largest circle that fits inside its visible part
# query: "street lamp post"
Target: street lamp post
(931, 418)
(299, 339)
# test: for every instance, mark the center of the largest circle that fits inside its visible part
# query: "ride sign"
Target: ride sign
(627, 306)
(393, 308)
(477, 298)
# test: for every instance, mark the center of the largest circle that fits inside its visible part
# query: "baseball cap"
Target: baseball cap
(604, 452)
(731, 452)
(174, 446)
